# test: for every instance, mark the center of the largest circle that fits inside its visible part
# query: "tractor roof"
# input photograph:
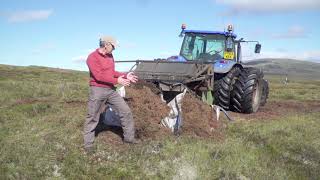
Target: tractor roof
(210, 32)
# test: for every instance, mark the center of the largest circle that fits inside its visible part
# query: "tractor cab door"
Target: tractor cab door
(215, 48)
(192, 47)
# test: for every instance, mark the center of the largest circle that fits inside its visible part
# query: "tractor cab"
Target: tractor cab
(221, 48)
(209, 46)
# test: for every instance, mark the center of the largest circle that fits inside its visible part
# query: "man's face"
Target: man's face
(109, 48)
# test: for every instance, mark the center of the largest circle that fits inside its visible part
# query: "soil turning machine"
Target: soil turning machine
(209, 65)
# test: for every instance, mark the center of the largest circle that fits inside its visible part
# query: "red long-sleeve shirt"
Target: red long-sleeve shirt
(102, 72)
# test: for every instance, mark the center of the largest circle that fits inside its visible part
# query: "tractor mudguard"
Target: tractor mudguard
(224, 66)
(177, 58)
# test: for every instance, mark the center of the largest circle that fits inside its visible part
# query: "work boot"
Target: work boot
(132, 141)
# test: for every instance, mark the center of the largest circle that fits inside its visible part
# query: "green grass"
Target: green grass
(41, 137)
(34, 83)
(297, 89)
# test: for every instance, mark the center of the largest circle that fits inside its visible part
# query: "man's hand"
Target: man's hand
(123, 81)
(133, 78)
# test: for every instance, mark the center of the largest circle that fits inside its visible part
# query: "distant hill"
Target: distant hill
(290, 67)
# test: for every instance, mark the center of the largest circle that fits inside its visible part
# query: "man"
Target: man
(103, 79)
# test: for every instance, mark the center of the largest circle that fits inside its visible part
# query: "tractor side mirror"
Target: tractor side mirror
(257, 49)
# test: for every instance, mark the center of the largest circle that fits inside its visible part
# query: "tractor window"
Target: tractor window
(192, 47)
(203, 46)
(215, 47)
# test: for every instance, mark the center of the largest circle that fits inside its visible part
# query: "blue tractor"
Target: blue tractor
(209, 65)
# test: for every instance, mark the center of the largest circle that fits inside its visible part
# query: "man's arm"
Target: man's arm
(100, 71)
(118, 74)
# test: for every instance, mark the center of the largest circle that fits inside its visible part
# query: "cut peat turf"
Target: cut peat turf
(148, 109)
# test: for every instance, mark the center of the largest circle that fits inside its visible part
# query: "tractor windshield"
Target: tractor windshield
(203, 46)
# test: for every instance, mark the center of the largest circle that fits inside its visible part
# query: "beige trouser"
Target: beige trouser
(98, 97)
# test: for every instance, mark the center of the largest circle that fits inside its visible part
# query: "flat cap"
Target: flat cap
(109, 39)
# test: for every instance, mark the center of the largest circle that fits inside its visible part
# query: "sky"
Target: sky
(61, 34)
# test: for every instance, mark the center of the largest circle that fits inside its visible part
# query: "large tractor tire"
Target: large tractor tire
(265, 92)
(247, 92)
(223, 85)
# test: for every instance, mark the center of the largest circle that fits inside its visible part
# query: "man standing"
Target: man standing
(103, 77)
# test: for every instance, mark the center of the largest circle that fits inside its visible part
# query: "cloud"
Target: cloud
(263, 7)
(79, 59)
(309, 55)
(82, 58)
(27, 16)
(292, 32)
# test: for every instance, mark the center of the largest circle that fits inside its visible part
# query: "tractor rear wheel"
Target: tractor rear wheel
(223, 85)
(247, 92)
